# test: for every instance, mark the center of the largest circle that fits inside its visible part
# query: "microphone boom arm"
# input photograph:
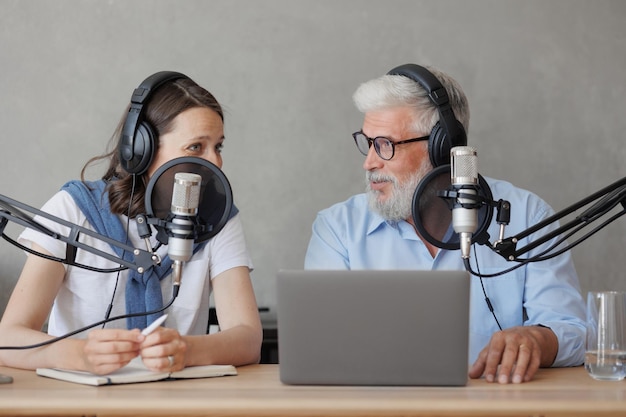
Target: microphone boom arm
(142, 259)
(611, 196)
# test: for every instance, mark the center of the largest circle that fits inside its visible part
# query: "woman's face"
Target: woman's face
(198, 132)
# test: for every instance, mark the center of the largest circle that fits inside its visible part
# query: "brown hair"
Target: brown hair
(165, 103)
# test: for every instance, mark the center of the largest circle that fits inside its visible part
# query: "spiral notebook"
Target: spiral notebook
(373, 327)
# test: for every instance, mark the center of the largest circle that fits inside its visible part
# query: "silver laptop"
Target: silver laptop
(373, 327)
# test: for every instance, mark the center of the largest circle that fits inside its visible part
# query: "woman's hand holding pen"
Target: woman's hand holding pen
(107, 350)
(164, 350)
(162, 347)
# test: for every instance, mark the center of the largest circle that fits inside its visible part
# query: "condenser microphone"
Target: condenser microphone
(216, 198)
(180, 229)
(464, 179)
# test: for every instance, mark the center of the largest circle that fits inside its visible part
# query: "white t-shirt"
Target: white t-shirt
(85, 295)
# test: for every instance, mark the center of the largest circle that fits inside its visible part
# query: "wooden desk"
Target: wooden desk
(257, 391)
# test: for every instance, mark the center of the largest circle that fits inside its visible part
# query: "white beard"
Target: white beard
(399, 206)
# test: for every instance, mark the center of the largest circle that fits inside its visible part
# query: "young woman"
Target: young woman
(181, 119)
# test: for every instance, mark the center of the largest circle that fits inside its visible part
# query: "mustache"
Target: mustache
(371, 176)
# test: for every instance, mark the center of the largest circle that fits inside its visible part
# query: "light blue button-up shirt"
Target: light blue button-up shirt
(350, 236)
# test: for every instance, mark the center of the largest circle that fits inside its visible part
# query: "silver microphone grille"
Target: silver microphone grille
(186, 194)
(464, 165)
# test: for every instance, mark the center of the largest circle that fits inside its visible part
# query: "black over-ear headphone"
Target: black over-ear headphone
(139, 138)
(448, 132)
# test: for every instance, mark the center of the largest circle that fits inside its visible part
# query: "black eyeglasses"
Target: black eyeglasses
(383, 146)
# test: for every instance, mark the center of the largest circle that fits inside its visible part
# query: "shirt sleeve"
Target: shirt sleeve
(325, 250)
(61, 206)
(229, 249)
(552, 298)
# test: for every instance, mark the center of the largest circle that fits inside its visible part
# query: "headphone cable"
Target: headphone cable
(107, 314)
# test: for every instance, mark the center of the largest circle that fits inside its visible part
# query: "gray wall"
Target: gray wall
(545, 80)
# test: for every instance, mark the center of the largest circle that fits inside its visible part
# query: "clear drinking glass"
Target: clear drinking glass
(605, 355)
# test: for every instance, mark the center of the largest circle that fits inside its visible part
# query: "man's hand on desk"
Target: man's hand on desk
(518, 352)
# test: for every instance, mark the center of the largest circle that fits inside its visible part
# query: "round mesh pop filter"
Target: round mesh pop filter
(433, 217)
(216, 198)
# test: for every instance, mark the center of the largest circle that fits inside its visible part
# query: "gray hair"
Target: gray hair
(399, 91)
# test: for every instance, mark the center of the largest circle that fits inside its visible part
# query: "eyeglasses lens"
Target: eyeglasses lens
(384, 147)
(362, 143)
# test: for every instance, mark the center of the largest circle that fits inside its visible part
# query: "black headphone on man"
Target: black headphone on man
(448, 132)
(139, 139)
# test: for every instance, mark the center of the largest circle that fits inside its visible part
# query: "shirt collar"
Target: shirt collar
(376, 222)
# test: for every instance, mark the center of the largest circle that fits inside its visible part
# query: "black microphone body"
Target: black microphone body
(464, 179)
(180, 228)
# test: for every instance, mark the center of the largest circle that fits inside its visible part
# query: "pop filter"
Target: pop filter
(432, 215)
(216, 198)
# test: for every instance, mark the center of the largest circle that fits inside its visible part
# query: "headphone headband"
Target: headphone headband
(448, 132)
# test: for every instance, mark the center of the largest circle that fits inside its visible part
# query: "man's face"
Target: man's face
(391, 183)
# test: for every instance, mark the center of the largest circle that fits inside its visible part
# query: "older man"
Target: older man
(413, 116)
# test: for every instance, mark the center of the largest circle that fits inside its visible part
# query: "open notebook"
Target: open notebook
(134, 372)
(373, 327)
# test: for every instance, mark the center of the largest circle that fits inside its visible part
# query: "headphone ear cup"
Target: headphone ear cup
(143, 150)
(138, 139)
(449, 131)
(438, 146)
(440, 143)
(460, 139)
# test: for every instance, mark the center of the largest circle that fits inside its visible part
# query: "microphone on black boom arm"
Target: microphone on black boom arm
(180, 229)
(464, 179)
(453, 207)
(188, 200)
